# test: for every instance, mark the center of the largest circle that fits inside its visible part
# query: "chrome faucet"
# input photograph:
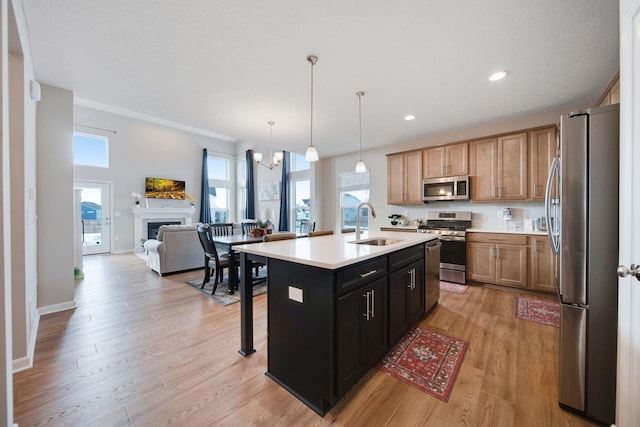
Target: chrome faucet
(373, 214)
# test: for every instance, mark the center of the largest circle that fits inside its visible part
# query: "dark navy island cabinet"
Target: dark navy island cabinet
(326, 328)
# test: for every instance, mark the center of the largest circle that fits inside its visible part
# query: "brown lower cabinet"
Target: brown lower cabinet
(514, 260)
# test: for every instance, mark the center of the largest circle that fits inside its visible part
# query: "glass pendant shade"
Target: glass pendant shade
(312, 154)
(277, 156)
(361, 167)
(257, 157)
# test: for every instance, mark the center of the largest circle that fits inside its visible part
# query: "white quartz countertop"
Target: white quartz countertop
(497, 230)
(334, 251)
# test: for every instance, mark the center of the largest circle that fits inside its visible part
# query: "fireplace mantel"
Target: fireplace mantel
(141, 216)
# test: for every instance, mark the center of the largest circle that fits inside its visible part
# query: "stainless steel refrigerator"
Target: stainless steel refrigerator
(582, 221)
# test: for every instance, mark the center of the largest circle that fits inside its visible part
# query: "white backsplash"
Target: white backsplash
(484, 215)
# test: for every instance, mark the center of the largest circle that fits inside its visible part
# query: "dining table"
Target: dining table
(226, 244)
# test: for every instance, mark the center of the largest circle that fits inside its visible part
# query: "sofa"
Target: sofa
(176, 248)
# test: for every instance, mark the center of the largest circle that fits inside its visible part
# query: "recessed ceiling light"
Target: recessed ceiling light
(409, 117)
(498, 76)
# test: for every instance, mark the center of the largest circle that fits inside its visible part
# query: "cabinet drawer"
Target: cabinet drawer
(509, 239)
(405, 256)
(360, 274)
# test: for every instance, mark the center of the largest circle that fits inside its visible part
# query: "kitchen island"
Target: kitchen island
(334, 307)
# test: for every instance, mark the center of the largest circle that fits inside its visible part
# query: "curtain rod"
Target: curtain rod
(96, 128)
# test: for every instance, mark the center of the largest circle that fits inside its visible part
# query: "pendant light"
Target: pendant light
(274, 158)
(312, 154)
(360, 166)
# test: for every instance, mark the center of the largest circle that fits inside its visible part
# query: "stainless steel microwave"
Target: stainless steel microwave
(445, 188)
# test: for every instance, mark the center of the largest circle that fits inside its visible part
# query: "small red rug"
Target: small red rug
(453, 287)
(535, 310)
(426, 360)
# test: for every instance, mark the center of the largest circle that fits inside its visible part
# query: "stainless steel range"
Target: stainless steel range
(451, 229)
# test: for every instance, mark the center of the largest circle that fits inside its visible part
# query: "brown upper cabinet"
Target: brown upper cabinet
(543, 144)
(447, 160)
(499, 168)
(404, 178)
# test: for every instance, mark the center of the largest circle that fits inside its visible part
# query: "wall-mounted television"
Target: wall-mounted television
(160, 188)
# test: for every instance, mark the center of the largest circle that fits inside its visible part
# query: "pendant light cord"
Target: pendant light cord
(360, 121)
(311, 131)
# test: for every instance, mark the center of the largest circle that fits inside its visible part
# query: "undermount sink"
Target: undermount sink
(376, 242)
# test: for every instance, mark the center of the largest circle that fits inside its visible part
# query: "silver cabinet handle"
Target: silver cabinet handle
(373, 303)
(634, 271)
(369, 273)
(366, 313)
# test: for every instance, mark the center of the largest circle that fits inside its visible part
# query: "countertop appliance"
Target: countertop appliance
(432, 274)
(445, 188)
(581, 207)
(451, 229)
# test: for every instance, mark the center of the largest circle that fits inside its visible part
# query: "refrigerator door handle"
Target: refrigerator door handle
(554, 238)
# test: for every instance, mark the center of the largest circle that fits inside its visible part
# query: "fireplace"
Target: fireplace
(153, 227)
(142, 216)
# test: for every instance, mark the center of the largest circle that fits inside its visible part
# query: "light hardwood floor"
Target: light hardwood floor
(147, 351)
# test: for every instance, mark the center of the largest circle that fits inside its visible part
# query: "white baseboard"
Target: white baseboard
(24, 363)
(55, 308)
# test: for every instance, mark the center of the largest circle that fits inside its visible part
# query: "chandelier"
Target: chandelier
(274, 158)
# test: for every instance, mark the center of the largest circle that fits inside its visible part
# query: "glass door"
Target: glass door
(95, 209)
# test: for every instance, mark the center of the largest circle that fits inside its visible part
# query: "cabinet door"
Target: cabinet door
(512, 167)
(542, 264)
(457, 159)
(481, 265)
(543, 148)
(483, 158)
(511, 265)
(350, 311)
(361, 332)
(416, 293)
(413, 177)
(375, 328)
(395, 178)
(399, 282)
(433, 161)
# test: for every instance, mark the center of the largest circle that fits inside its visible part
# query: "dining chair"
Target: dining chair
(247, 226)
(320, 233)
(307, 227)
(213, 262)
(278, 236)
(221, 229)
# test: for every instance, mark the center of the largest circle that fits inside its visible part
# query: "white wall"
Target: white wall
(139, 149)
(55, 199)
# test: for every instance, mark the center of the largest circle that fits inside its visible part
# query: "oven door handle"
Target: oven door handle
(452, 239)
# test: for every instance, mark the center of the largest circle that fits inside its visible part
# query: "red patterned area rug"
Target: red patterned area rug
(453, 287)
(535, 310)
(426, 360)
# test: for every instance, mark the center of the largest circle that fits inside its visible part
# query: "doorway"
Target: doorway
(95, 206)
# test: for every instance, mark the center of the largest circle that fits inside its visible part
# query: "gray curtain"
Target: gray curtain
(205, 208)
(284, 194)
(251, 201)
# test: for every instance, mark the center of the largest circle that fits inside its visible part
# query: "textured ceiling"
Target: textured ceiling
(228, 67)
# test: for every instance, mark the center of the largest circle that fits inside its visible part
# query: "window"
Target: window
(354, 189)
(90, 150)
(219, 188)
(300, 183)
